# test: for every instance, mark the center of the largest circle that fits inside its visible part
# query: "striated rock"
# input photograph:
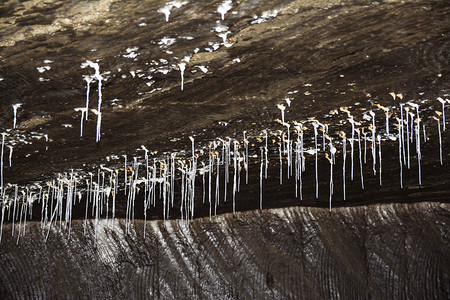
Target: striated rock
(396, 251)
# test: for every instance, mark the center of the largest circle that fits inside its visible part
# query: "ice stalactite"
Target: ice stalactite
(399, 121)
(344, 158)
(442, 101)
(1, 164)
(83, 113)
(352, 146)
(365, 144)
(418, 150)
(3, 217)
(299, 159)
(99, 79)
(330, 160)
(182, 67)
(99, 122)
(88, 80)
(246, 158)
(387, 120)
(408, 138)
(210, 169)
(288, 151)
(360, 157)
(282, 108)
(281, 162)
(10, 155)
(418, 139)
(386, 112)
(217, 183)
(261, 180)
(235, 165)
(379, 156)
(224, 8)
(374, 151)
(402, 129)
(166, 11)
(440, 137)
(15, 108)
(266, 151)
(202, 172)
(316, 151)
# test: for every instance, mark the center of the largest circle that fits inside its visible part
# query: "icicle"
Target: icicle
(372, 114)
(282, 108)
(352, 145)
(266, 150)
(203, 182)
(217, 186)
(172, 178)
(298, 160)
(440, 138)
(246, 158)
(1, 164)
(360, 159)
(99, 122)
(210, 169)
(419, 153)
(379, 155)
(235, 150)
(288, 151)
(99, 78)
(182, 67)
(402, 137)
(387, 120)
(88, 80)
(83, 113)
(261, 181)
(386, 111)
(224, 8)
(3, 216)
(281, 163)
(125, 173)
(315, 125)
(302, 154)
(10, 155)
(365, 145)
(15, 107)
(424, 133)
(331, 177)
(166, 11)
(417, 131)
(227, 149)
(443, 112)
(408, 138)
(344, 155)
(400, 150)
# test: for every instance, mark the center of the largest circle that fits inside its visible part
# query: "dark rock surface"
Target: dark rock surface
(383, 242)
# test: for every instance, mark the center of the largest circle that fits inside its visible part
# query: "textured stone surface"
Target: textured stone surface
(392, 251)
(382, 243)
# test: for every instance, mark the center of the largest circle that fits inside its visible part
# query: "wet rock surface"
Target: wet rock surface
(395, 251)
(322, 55)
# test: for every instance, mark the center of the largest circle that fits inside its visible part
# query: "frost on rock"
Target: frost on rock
(166, 41)
(270, 14)
(169, 5)
(43, 69)
(224, 8)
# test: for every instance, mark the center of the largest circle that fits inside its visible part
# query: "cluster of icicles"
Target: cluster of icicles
(154, 178)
